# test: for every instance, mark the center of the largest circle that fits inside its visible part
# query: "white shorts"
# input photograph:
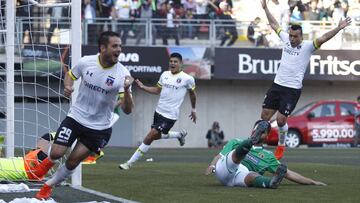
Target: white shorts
(230, 173)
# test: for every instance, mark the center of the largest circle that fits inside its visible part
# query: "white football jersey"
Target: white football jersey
(294, 61)
(173, 91)
(98, 92)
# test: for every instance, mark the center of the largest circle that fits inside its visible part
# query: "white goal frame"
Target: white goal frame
(75, 41)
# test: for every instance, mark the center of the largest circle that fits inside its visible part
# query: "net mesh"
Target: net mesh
(42, 56)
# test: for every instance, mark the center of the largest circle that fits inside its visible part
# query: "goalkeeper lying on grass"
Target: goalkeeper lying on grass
(27, 167)
(242, 163)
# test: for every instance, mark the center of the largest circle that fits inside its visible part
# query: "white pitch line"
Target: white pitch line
(101, 194)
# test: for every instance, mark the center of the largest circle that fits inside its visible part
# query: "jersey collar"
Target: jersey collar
(98, 60)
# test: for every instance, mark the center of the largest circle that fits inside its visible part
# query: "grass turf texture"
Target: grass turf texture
(176, 175)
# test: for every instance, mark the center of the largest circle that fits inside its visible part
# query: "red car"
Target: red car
(321, 123)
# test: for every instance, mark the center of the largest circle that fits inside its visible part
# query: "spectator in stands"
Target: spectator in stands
(215, 136)
(124, 17)
(56, 13)
(314, 11)
(23, 10)
(256, 34)
(171, 29)
(297, 9)
(189, 7)
(106, 10)
(146, 9)
(325, 9)
(339, 10)
(88, 11)
(201, 13)
(229, 27)
(89, 14)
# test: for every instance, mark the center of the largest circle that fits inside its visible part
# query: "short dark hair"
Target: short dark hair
(176, 55)
(104, 38)
(296, 27)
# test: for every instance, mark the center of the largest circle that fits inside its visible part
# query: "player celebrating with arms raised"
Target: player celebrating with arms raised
(172, 87)
(285, 92)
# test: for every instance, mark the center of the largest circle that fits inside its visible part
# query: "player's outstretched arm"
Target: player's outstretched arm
(211, 168)
(192, 96)
(273, 23)
(297, 178)
(152, 90)
(341, 25)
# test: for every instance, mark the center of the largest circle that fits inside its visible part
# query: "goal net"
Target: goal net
(36, 49)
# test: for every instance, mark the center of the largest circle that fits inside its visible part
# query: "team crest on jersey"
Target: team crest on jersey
(110, 81)
(261, 155)
(178, 80)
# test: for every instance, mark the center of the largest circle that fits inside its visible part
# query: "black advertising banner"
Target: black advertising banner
(42, 61)
(150, 62)
(262, 64)
(144, 62)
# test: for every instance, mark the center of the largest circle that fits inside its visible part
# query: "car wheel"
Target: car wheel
(292, 139)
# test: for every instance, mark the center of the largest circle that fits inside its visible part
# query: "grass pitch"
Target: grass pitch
(176, 175)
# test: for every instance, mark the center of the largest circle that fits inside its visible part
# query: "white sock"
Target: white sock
(282, 133)
(171, 135)
(143, 148)
(61, 174)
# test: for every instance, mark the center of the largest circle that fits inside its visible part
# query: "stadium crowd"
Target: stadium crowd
(189, 19)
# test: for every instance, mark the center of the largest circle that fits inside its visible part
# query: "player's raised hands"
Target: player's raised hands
(344, 23)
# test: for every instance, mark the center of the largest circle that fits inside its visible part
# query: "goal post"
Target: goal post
(76, 178)
(10, 80)
(19, 129)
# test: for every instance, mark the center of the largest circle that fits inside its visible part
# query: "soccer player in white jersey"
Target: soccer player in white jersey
(172, 87)
(103, 80)
(285, 92)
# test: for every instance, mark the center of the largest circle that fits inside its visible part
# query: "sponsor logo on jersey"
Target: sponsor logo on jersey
(89, 73)
(291, 51)
(173, 86)
(253, 159)
(95, 88)
(110, 81)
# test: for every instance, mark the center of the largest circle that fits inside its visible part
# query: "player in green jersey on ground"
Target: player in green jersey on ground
(245, 163)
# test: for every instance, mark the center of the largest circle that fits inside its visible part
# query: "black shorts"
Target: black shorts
(70, 130)
(283, 99)
(162, 124)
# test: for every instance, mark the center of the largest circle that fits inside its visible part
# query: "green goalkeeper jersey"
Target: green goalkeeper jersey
(258, 159)
(12, 169)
